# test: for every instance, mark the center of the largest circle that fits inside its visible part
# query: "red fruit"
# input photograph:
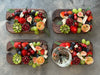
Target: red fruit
(22, 20)
(29, 11)
(84, 45)
(69, 12)
(88, 13)
(40, 14)
(90, 27)
(17, 10)
(76, 24)
(16, 44)
(28, 53)
(13, 14)
(69, 21)
(24, 44)
(74, 54)
(73, 29)
(24, 52)
(17, 18)
(67, 44)
(25, 59)
(25, 27)
(89, 18)
(75, 14)
(66, 13)
(42, 52)
(75, 17)
(76, 61)
(62, 45)
(89, 53)
(19, 46)
(32, 51)
(79, 49)
(25, 12)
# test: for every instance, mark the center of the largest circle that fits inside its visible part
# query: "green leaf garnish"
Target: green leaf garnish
(58, 43)
(11, 10)
(87, 9)
(12, 42)
(47, 31)
(59, 23)
(15, 21)
(37, 20)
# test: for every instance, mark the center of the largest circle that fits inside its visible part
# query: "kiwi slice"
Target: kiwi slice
(17, 27)
(17, 59)
(65, 29)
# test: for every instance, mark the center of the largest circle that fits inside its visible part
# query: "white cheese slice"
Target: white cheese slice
(45, 56)
(80, 56)
(45, 52)
(76, 46)
(64, 21)
(21, 14)
(44, 20)
(84, 19)
(32, 46)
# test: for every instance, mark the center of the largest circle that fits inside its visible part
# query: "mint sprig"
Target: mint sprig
(11, 10)
(57, 43)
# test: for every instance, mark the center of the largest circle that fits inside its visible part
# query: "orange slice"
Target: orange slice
(85, 27)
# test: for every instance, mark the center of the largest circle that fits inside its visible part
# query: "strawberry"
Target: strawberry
(24, 44)
(73, 29)
(22, 20)
(24, 52)
(13, 14)
(74, 54)
(16, 44)
(90, 18)
(32, 51)
(67, 44)
(42, 52)
(62, 45)
(89, 53)
(17, 18)
(84, 45)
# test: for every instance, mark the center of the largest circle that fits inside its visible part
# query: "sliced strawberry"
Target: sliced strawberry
(16, 44)
(67, 44)
(17, 18)
(89, 53)
(62, 45)
(90, 18)
(42, 52)
(24, 44)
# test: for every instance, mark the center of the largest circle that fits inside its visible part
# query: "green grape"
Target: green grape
(80, 24)
(34, 65)
(34, 43)
(79, 9)
(82, 62)
(36, 13)
(37, 64)
(79, 30)
(87, 42)
(34, 28)
(75, 11)
(36, 32)
(38, 43)
(30, 62)
(83, 41)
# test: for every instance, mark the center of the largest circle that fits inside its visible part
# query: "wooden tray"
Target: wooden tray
(9, 55)
(9, 26)
(56, 16)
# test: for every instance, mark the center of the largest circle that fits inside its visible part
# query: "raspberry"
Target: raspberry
(69, 21)
(75, 61)
(25, 27)
(25, 59)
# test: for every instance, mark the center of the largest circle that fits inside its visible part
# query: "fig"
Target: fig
(40, 25)
(29, 19)
(79, 20)
(80, 14)
(38, 48)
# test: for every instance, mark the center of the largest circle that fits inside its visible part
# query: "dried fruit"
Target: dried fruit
(17, 28)
(17, 59)
(40, 25)
(65, 29)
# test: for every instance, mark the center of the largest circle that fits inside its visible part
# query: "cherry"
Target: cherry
(66, 13)
(74, 54)
(32, 51)
(75, 14)
(88, 13)
(13, 14)
(73, 29)
(75, 17)
(76, 24)
(28, 53)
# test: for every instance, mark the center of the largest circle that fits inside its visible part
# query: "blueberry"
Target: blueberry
(25, 48)
(17, 49)
(90, 23)
(71, 16)
(87, 49)
(73, 43)
(37, 55)
(28, 46)
(19, 52)
(17, 13)
(71, 48)
(34, 23)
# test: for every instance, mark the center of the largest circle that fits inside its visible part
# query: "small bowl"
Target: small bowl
(61, 56)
